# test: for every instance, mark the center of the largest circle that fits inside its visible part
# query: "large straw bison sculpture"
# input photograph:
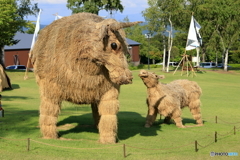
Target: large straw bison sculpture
(81, 59)
(169, 99)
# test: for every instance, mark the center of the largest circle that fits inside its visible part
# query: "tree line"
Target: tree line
(219, 20)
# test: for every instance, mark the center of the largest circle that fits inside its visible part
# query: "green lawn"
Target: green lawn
(220, 98)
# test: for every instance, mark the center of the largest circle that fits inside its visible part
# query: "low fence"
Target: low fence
(195, 144)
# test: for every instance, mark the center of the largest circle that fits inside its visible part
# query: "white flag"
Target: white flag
(37, 28)
(194, 39)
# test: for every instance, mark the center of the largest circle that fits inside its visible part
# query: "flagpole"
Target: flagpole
(185, 58)
(37, 28)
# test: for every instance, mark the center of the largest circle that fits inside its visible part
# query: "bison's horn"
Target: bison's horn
(113, 25)
(119, 25)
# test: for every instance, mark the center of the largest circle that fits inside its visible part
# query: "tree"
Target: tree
(158, 18)
(135, 33)
(94, 6)
(219, 20)
(12, 13)
(224, 21)
(30, 27)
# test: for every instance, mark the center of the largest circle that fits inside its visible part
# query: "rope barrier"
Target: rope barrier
(238, 127)
(228, 122)
(205, 145)
(205, 137)
(13, 139)
(228, 133)
(216, 118)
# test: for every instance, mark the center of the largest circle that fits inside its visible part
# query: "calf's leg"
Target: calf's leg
(176, 116)
(196, 112)
(152, 114)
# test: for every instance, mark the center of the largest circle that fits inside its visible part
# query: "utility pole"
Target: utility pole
(148, 36)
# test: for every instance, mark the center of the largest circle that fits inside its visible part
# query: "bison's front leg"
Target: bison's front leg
(49, 111)
(108, 109)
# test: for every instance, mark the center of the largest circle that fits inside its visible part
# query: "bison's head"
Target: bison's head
(114, 50)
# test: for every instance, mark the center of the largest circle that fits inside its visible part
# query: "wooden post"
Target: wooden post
(216, 119)
(196, 149)
(215, 136)
(28, 144)
(234, 129)
(124, 150)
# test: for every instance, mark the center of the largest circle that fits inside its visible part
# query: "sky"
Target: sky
(132, 10)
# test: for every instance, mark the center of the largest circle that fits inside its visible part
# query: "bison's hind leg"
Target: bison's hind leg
(196, 112)
(95, 113)
(48, 118)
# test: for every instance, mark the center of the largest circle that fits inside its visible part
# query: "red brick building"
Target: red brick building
(18, 54)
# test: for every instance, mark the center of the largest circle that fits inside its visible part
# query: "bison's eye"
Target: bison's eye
(114, 46)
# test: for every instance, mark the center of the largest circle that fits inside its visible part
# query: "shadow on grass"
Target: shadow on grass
(129, 125)
(15, 86)
(84, 122)
(14, 98)
(185, 122)
(19, 123)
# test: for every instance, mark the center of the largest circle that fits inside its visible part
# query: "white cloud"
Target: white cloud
(134, 4)
(51, 1)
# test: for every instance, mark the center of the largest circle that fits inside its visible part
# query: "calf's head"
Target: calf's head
(150, 79)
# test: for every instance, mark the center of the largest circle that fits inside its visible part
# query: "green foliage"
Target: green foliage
(12, 14)
(219, 20)
(31, 27)
(94, 6)
(143, 66)
(135, 33)
(158, 13)
(79, 137)
(149, 46)
(9, 22)
(235, 57)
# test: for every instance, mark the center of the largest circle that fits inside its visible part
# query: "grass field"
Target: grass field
(220, 98)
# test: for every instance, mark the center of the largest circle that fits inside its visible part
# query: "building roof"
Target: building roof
(26, 41)
(132, 42)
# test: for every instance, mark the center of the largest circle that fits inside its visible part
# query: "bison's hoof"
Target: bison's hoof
(49, 137)
(107, 141)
